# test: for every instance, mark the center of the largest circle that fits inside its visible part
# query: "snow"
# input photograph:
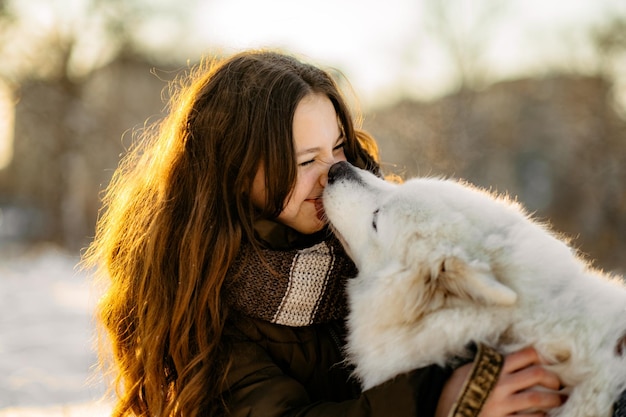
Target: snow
(47, 360)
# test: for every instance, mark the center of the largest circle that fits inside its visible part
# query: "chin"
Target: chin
(310, 229)
(307, 224)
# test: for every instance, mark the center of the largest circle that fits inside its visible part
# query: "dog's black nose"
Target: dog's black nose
(338, 170)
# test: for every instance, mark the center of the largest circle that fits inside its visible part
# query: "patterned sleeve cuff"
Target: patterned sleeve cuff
(478, 385)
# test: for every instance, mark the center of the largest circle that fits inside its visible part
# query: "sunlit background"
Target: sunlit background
(523, 96)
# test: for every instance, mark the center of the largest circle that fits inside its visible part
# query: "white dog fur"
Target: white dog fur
(443, 264)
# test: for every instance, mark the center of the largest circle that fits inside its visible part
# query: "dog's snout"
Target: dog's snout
(341, 169)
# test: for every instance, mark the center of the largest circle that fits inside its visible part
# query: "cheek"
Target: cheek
(305, 183)
(302, 190)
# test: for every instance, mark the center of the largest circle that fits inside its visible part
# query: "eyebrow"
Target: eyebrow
(317, 148)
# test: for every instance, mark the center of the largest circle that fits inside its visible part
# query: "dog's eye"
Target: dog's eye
(375, 220)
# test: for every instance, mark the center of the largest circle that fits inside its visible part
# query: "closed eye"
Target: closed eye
(338, 148)
(305, 163)
(375, 220)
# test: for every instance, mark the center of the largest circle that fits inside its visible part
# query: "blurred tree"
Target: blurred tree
(463, 29)
(609, 44)
(556, 142)
(4, 8)
(50, 52)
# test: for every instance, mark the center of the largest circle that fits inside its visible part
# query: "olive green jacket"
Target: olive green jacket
(299, 371)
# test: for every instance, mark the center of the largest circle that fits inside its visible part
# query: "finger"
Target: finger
(532, 376)
(520, 359)
(530, 403)
(539, 376)
(535, 401)
(529, 390)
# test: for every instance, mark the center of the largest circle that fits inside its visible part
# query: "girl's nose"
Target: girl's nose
(323, 180)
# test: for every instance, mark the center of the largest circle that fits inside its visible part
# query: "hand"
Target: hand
(524, 387)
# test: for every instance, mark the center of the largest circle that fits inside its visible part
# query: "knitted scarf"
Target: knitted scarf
(295, 287)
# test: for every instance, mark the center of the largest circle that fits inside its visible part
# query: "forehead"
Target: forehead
(315, 122)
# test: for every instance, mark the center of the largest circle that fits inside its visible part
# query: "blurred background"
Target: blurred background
(526, 97)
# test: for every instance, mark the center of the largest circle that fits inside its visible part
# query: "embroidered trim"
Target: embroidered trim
(478, 385)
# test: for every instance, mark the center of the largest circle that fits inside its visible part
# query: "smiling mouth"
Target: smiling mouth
(319, 207)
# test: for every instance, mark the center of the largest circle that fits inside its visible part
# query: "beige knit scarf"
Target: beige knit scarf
(296, 287)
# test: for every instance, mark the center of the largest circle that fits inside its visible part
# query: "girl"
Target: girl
(225, 288)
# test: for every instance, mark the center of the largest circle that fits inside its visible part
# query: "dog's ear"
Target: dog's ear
(474, 280)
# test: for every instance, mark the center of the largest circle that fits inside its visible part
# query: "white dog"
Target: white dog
(443, 264)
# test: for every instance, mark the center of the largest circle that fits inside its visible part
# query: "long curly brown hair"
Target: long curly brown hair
(175, 213)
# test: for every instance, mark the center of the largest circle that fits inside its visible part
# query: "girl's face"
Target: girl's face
(318, 143)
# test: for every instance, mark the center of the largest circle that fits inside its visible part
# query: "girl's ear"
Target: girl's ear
(472, 280)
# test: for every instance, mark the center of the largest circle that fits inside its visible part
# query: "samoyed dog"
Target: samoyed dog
(443, 264)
